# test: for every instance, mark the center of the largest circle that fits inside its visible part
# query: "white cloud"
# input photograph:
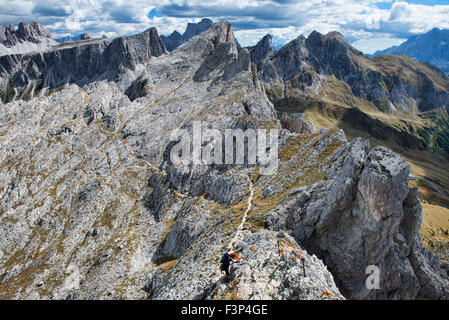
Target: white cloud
(372, 45)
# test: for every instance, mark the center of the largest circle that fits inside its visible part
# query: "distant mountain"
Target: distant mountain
(175, 39)
(68, 39)
(431, 47)
(24, 76)
(27, 38)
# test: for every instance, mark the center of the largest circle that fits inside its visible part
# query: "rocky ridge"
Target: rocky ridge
(390, 83)
(175, 39)
(262, 51)
(119, 60)
(91, 207)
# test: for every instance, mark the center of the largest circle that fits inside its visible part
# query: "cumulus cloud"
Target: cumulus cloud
(358, 20)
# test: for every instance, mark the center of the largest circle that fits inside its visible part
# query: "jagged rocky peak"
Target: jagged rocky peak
(194, 29)
(330, 40)
(26, 38)
(262, 50)
(226, 59)
(32, 32)
(172, 41)
(175, 39)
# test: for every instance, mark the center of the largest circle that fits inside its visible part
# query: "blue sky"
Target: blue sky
(368, 24)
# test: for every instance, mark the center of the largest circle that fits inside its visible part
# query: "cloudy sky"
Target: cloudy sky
(368, 24)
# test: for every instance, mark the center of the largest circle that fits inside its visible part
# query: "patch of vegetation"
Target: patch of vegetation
(9, 93)
(54, 90)
(166, 262)
(435, 136)
(38, 87)
(291, 147)
(382, 104)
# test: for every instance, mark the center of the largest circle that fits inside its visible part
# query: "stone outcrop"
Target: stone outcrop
(26, 38)
(295, 123)
(175, 39)
(92, 207)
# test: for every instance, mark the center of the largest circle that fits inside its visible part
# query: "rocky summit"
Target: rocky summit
(175, 39)
(26, 38)
(93, 207)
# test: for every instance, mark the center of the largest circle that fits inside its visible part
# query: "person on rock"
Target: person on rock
(226, 260)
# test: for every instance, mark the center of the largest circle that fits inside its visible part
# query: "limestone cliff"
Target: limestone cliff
(120, 60)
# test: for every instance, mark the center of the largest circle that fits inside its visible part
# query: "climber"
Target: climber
(226, 260)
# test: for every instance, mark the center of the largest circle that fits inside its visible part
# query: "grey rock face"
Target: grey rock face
(175, 39)
(172, 41)
(91, 207)
(262, 50)
(294, 123)
(194, 29)
(120, 60)
(27, 38)
(361, 215)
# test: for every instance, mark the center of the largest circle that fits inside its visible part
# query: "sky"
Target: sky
(369, 25)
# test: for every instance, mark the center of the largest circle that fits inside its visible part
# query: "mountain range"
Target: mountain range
(327, 68)
(93, 207)
(83, 36)
(431, 47)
